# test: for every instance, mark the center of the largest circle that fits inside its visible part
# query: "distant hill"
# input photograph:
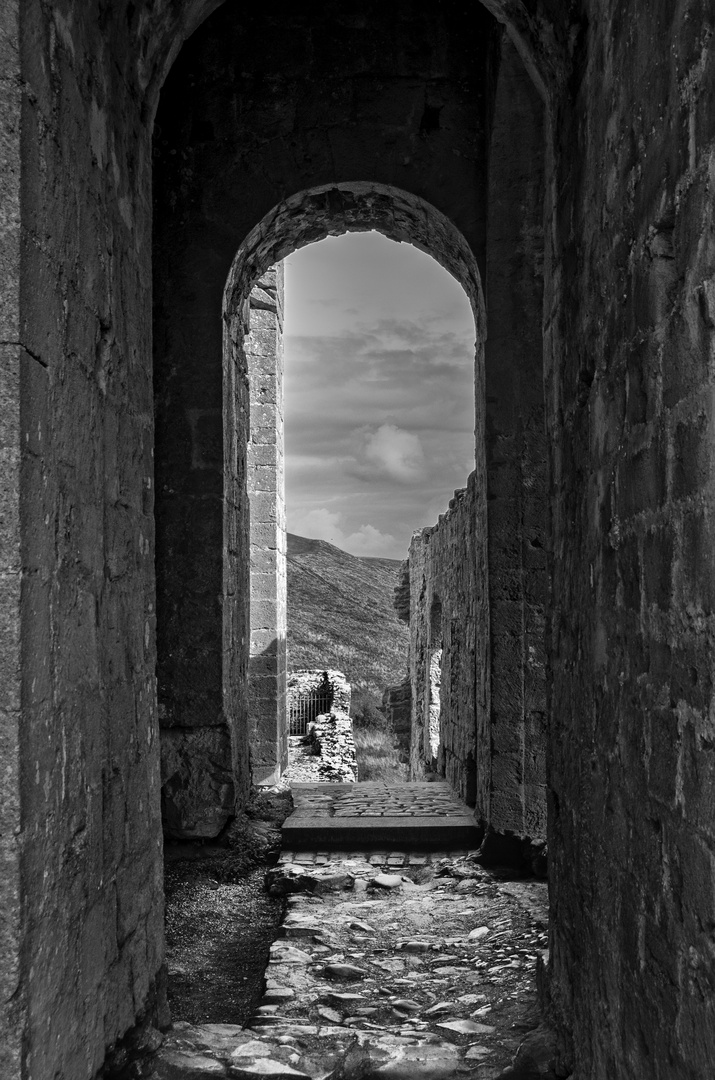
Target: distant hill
(340, 615)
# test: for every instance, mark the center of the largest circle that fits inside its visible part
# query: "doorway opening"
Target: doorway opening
(379, 415)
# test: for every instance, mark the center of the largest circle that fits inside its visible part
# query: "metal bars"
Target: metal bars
(304, 706)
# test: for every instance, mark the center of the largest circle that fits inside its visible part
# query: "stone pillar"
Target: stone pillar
(512, 788)
(263, 348)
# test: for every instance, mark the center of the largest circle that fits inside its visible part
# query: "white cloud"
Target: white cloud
(370, 541)
(391, 452)
(323, 524)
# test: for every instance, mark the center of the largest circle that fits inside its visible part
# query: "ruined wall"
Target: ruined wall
(515, 747)
(332, 737)
(629, 334)
(304, 682)
(447, 573)
(263, 352)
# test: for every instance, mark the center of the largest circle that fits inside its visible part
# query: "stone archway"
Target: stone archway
(253, 418)
(419, 139)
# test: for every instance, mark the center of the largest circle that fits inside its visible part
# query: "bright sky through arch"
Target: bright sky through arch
(379, 392)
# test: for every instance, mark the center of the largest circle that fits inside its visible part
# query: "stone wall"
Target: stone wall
(329, 732)
(13, 361)
(450, 671)
(83, 950)
(629, 348)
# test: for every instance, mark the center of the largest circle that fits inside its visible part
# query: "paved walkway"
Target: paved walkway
(389, 966)
(405, 816)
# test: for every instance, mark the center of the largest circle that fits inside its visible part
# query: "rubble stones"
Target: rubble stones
(345, 972)
(466, 1027)
(265, 1067)
(387, 881)
(326, 755)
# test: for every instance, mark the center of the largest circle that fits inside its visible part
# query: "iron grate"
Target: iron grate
(305, 706)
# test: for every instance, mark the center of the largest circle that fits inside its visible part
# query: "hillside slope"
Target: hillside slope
(340, 615)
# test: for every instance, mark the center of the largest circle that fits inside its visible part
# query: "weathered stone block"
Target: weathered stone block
(692, 457)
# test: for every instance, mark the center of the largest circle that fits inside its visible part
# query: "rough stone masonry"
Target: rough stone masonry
(558, 157)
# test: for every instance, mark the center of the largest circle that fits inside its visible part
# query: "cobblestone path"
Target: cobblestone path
(378, 799)
(389, 966)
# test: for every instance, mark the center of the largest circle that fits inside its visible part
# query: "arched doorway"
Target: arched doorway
(253, 418)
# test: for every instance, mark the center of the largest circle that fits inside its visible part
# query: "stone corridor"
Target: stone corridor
(557, 157)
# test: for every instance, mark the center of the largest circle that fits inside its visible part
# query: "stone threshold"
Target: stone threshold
(372, 816)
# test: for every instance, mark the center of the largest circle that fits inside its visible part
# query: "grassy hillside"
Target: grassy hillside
(340, 615)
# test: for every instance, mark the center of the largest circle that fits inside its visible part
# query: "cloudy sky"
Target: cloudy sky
(379, 392)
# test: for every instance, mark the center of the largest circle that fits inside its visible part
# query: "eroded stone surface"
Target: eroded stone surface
(198, 794)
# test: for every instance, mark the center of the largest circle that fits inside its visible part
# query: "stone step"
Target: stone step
(370, 816)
